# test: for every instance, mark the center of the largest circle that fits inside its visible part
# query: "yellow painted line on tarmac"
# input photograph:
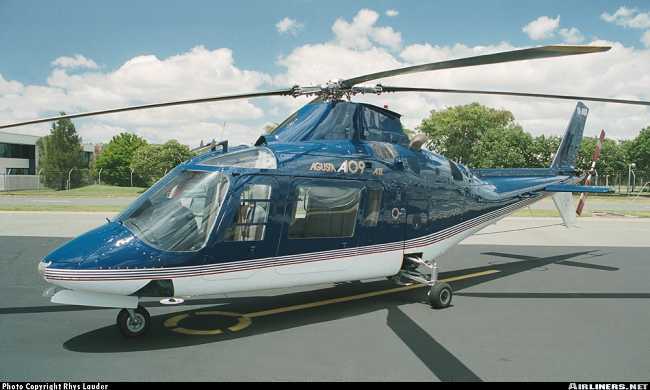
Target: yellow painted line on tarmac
(197, 332)
(172, 322)
(359, 296)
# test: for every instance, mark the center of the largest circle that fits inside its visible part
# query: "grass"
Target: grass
(92, 191)
(617, 197)
(63, 208)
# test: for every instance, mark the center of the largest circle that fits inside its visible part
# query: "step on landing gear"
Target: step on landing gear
(420, 271)
(133, 322)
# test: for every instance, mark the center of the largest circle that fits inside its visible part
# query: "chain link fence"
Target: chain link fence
(625, 182)
(78, 178)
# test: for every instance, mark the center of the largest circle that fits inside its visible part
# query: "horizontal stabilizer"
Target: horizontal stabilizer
(577, 188)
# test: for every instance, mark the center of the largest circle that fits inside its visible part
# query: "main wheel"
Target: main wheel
(136, 326)
(440, 295)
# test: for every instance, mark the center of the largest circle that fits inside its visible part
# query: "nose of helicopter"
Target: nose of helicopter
(105, 260)
(109, 246)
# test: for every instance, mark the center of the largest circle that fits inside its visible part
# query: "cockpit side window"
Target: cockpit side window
(251, 219)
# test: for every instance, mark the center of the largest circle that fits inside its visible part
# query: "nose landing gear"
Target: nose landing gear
(133, 322)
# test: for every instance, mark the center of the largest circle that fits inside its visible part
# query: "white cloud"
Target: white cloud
(542, 28)
(645, 38)
(8, 87)
(392, 13)
(361, 33)
(628, 17)
(571, 35)
(78, 61)
(288, 26)
(631, 18)
(199, 72)
(545, 28)
(621, 13)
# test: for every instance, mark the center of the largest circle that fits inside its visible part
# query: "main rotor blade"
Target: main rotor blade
(505, 93)
(279, 92)
(506, 56)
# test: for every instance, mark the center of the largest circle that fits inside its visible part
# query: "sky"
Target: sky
(78, 56)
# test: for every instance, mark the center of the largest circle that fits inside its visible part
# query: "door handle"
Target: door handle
(251, 248)
(344, 244)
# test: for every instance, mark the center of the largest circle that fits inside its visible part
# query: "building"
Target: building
(18, 154)
(19, 160)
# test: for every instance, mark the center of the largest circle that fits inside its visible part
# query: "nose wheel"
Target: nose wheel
(133, 322)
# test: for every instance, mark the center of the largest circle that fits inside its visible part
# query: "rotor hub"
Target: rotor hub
(335, 90)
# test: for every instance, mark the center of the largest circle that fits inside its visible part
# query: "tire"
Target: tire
(129, 328)
(440, 295)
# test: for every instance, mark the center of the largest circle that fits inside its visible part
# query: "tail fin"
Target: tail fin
(564, 204)
(565, 157)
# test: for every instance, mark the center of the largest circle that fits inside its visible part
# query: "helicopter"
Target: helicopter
(336, 192)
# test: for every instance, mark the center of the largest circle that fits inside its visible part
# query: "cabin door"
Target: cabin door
(250, 228)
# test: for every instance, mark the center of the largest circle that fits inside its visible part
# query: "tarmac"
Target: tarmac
(533, 301)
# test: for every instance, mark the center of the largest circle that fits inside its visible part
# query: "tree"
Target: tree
(612, 156)
(542, 150)
(115, 160)
(638, 150)
(59, 152)
(503, 148)
(456, 131)
(151, 162)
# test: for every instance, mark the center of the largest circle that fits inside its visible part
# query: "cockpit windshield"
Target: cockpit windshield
(180, 215)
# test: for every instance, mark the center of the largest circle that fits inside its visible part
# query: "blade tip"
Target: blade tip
(578, 49)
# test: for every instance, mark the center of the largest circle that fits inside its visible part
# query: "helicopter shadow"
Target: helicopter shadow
(440, 361)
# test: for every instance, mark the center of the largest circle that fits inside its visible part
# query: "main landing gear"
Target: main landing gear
(417, 270)
(133, 322)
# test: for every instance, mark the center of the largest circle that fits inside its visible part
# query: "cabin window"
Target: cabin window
(249, 223)
(455, 172)
(324, 212)
(373, 208)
